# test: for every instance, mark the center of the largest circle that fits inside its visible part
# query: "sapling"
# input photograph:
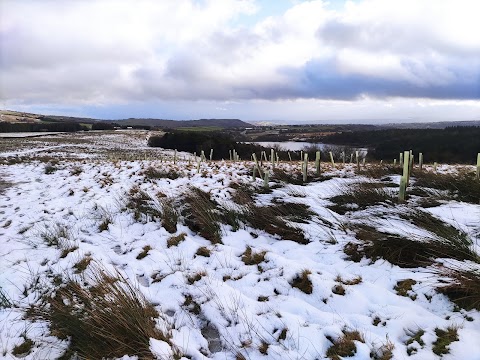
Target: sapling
(404, 178)
(265, 180)
(305, 168)
(357, 159)
(478, 166)
(331, 159)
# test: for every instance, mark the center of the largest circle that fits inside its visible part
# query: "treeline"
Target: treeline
(222, 144)
(7, 127)
(449, 145)
(193, 141)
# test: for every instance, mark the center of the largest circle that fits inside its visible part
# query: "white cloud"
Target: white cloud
(107, 52)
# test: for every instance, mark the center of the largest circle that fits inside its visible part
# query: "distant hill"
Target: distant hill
(22, 117)
(174, 124)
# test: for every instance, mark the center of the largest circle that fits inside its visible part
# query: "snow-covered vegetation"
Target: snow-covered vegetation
(109, 249)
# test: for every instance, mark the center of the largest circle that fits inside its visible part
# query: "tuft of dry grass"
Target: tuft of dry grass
(274, 220)
(462, 186)
(302, 282)
(463, 288)
(203, 251)
(144, 252)
(175, 240)
(152, 173)
(24, 348)
(251, 258)
(360, 196)
(201, 215)
(403, 287)
(344, 346)
(106, 318)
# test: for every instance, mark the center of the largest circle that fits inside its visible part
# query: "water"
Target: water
(292, 145)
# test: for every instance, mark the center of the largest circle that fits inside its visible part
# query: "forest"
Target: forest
(449, 145)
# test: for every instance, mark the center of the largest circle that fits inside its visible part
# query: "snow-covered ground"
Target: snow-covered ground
(70, 185)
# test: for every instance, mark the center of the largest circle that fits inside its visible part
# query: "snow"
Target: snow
(35, 202)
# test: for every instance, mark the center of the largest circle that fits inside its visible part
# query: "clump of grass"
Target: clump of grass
(273, 219)
(462, 187)
(4, 301)
(107, 318)
(463, 288)
(338, 290)
(396, 249)
(142, 205)
(24, 348)
(302, 282)
(192, 305)
(293, 177)
(414, 337)
(360, 196)
(448, 242)
(377, 171)
(263, 348)
(403, 287)
(402, 251)
(384, 352)
(50, 169)
(444, 339)
(201, 215)
(152, 173)
(344, 346)
(251, 258)
(169, 215)
(82, 264)
(144, 252)
(193, 278)
(243, 194)
(76, 170)
(175, 240)
(203, 251)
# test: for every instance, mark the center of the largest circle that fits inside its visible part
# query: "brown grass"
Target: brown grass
(302, 282)
(201, 215)
(344, 346)
(108, 318)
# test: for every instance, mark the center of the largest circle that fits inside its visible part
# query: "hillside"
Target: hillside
(112, 249)
(21, 117)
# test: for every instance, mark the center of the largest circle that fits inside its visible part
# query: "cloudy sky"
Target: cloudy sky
(327, 61)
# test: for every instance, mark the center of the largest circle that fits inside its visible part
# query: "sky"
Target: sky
(358, 61)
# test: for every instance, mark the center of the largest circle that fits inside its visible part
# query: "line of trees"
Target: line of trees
(7, 127)
(450, 145)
